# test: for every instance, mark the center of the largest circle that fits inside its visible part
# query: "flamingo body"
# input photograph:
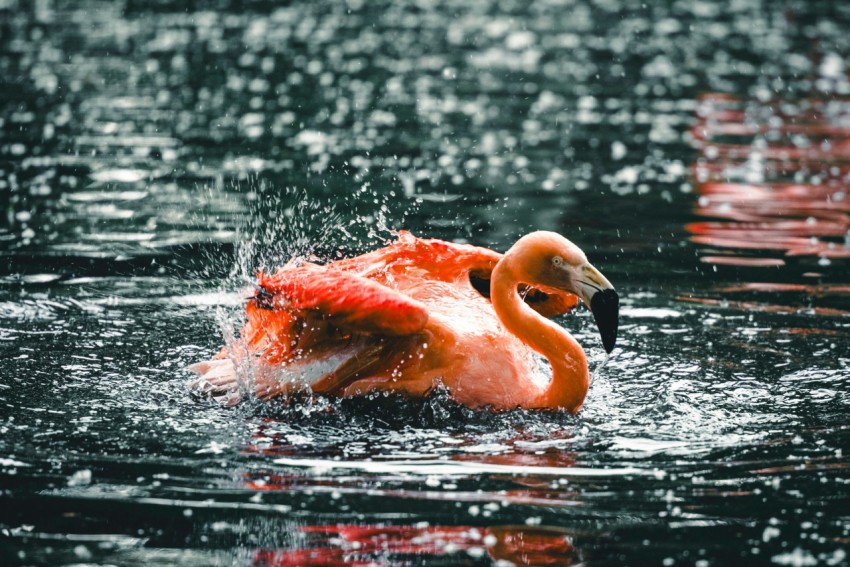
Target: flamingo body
(409, 317)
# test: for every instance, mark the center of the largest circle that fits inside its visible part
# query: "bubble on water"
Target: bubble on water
(832, 65)
(80, 478)
(797, 558)
(214, 448)
(618, 150)
(119, 175)
(520, 40)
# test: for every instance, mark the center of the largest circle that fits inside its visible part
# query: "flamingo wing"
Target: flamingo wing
(318, 327)
(346, 301)
(450, 261)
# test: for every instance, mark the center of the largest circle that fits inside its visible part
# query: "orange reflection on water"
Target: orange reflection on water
(792, 218)
(763, 307)
(753, 156)
(382, 545)
(379, 544)
(737, 261)
(810, 290)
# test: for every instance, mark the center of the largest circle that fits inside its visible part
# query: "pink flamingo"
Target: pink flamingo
(419, 314)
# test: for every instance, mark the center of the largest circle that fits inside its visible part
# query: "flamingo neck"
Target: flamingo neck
(570, 377)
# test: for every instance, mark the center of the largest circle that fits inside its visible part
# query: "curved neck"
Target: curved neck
(570, 377)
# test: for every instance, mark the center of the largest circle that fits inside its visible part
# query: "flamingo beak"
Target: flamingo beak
(598, 294)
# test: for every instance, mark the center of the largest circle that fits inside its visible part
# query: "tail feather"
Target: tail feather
(326, 372)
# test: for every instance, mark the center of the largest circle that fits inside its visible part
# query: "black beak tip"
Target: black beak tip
(605, 306)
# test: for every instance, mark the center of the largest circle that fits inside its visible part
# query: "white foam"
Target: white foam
(433, 467)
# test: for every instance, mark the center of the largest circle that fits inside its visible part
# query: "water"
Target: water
(153, 154)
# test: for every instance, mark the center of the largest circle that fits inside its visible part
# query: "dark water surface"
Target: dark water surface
(153, 154)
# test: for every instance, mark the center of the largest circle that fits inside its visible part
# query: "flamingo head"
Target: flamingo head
(550, 262)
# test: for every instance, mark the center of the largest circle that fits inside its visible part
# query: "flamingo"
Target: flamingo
(420, 314)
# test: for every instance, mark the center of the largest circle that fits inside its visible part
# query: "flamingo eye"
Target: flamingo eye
(558, 261)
